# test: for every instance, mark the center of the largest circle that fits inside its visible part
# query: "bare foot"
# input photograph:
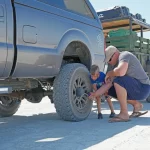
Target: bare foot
(122, 117)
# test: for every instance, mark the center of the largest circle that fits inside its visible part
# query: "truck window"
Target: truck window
(78, 6)
(56, 3)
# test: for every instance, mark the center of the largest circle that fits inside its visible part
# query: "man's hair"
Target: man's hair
(94, 69)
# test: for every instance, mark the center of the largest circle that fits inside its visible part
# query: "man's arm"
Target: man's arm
(120, 70)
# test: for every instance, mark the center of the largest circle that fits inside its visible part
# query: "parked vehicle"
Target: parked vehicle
(47, 48)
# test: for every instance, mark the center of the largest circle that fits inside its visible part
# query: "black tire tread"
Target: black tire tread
(9, 111)
(60, 95)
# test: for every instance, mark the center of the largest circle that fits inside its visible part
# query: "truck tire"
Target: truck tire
(8, 107)
(70, 95)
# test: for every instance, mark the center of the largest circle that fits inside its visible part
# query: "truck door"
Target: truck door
(3, 41)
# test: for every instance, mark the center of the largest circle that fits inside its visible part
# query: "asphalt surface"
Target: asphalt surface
(38, 127)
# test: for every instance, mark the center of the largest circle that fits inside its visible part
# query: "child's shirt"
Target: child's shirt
(99, 81)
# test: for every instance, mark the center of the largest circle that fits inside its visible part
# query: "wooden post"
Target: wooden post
(130, 21)
(141, 31)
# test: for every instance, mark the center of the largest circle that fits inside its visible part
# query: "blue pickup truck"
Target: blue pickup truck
(46, 49)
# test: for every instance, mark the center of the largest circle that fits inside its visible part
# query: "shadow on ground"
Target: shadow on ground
(47, 131)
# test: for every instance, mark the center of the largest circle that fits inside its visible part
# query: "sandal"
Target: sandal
(137, 114)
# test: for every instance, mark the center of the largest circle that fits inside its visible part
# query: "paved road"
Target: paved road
(37, 127)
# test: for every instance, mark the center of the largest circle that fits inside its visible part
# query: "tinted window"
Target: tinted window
(57, 3)
(78, 6)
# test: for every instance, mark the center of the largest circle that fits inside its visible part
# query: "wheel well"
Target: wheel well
(77, 52)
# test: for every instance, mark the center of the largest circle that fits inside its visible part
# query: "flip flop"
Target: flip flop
(137, 114)
(118, 119)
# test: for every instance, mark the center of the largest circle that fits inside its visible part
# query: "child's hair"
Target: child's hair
(94, 69)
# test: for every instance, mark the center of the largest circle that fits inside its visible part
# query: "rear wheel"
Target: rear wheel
(71, 88)
(8, 106)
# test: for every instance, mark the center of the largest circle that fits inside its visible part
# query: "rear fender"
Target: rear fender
(72, 36)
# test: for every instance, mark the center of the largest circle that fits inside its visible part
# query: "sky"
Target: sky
(135, 6)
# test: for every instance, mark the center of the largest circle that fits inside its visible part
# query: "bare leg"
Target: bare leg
(137, 106)
(122, 98)
(110, 105)
(98, 101)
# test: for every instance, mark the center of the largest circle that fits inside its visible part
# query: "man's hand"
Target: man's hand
(108, 77)
(120, 70)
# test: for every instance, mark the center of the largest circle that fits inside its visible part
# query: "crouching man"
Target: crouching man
(129, 83)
